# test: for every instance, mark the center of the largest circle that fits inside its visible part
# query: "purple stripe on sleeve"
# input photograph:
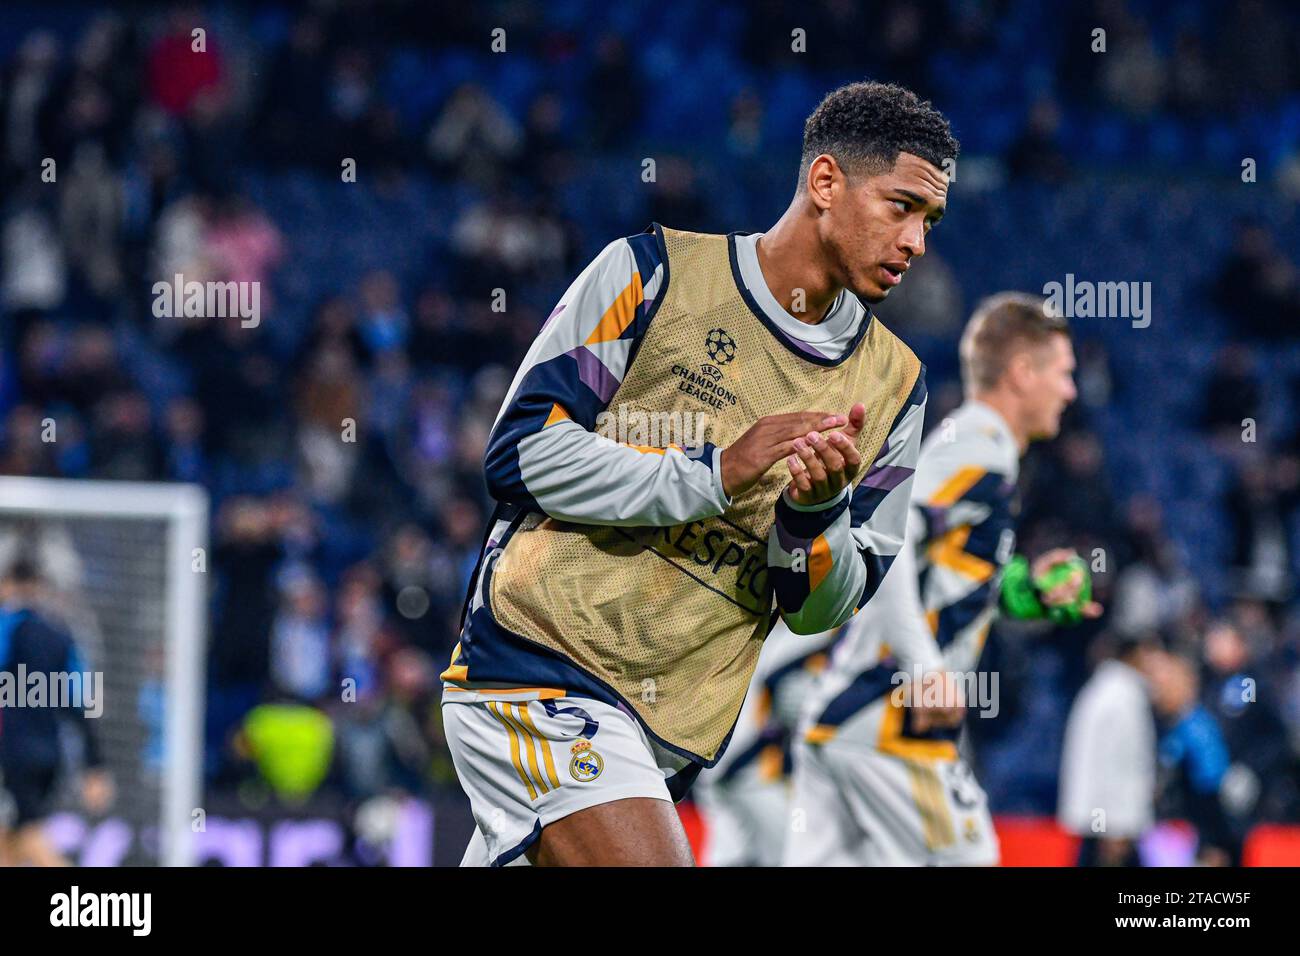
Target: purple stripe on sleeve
(593, 373)
(789, 542)
(887, 477)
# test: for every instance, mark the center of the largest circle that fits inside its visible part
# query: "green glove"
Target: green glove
(1019, 597)
(1021, 594)
(1057, 575)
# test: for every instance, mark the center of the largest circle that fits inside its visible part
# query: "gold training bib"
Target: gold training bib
(672, 619)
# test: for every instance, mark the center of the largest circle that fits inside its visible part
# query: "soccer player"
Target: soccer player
(634, 565)
(31, 753)
(877, 778)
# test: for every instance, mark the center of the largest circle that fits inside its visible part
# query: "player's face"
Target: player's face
(881, 222)
(1051, 387)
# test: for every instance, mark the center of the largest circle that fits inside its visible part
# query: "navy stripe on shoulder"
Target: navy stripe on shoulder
(992, 489)
(650, 252)
(866, 688)
(957, 616)
(563, 380)
(646, 251)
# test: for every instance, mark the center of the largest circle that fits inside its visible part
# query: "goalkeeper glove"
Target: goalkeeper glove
(1022, 594)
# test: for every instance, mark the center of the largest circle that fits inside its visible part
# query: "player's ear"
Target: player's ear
(821, 178)
(1020, 368)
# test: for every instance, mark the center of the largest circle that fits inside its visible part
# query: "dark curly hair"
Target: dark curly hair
(866, 125)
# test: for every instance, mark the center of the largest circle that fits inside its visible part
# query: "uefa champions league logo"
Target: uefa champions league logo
(721, 346)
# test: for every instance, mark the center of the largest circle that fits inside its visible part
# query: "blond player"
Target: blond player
(878, 778)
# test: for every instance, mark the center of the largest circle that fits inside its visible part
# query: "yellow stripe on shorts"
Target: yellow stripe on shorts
(529, 744)
(927, 792)
(514, 749)
(542, 743)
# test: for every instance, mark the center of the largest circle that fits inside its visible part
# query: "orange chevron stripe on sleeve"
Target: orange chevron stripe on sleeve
(962, 481)
(819, 562)
(651, 449)
(558, 414)
(947, 551)
(619, 315)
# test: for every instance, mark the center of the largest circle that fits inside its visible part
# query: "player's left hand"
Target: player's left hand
(1067, 591)
(823, 465)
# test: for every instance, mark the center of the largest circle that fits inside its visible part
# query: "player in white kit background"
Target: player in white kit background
(745, 799)
(878, 779)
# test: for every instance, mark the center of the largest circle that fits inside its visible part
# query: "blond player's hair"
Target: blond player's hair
(1001, 326)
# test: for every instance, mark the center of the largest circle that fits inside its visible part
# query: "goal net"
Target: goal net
(124, 569)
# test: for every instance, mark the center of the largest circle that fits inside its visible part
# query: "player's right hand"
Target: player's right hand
(766, 442)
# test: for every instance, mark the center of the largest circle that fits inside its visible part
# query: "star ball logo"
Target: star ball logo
(721, 346)
(706, 384)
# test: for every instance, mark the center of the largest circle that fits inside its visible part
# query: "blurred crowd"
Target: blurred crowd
(341, 437)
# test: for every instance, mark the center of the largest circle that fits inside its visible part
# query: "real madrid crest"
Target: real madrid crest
(586, 763)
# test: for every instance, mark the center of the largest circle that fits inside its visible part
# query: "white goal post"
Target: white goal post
(34, 503)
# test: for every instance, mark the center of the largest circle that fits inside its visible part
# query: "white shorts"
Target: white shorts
(527, 763)
(856, 806)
